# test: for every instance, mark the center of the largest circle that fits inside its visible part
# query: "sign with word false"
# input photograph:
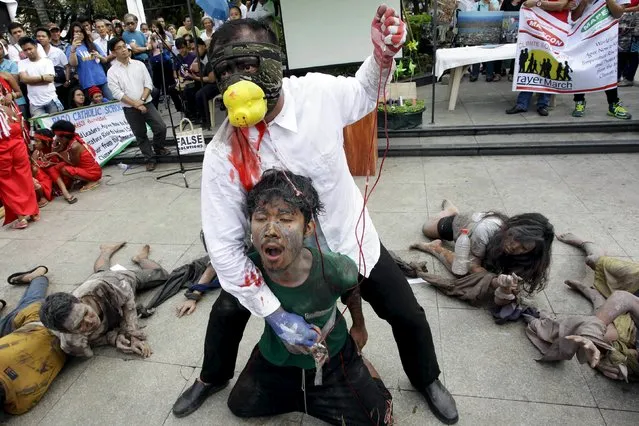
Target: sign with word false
(557, 57)
(191, 142)
(102, 126)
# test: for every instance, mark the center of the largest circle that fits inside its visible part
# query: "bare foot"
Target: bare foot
(571, 239)
(143, 254)
(450, 207)
(592, 352)
(431, 248)
(111, 248)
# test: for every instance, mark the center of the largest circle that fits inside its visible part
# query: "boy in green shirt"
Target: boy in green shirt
(280, 378)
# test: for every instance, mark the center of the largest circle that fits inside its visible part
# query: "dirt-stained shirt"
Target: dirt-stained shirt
(114, 292)
(30, 359)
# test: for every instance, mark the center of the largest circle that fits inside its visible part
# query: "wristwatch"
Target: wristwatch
(538, 4)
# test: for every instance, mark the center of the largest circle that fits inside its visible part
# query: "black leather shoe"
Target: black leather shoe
(543, 111)
(193, 397)
(515, 110)
(441, 403)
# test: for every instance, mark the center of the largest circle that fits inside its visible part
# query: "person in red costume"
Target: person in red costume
(77, 160)
(39, 163)
(16, 183)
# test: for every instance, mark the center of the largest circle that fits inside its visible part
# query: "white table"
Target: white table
(457, 58)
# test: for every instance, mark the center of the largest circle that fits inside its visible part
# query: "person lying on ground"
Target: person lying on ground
(339, 389)
(507, 254)
(607, 340)
(30, 354)
(102, 310)
(76, 161)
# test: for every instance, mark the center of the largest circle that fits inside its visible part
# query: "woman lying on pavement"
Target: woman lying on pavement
(507, 254)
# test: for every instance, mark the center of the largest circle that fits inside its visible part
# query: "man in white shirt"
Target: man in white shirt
(38, 74)
(130, 83)
(302, 131)
(15, 51)
(103, 38)
(62, 79)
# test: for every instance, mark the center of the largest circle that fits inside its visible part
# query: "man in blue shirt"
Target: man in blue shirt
(136, 39)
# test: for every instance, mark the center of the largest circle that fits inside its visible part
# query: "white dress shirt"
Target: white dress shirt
(261, 10)
(129, 79)
(306, 138)
(103, 43)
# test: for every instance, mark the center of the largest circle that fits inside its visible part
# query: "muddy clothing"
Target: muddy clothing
(548, 335)
(348, 395)
(481, 228)
(314, 300)
(114, 292)
(30, 355)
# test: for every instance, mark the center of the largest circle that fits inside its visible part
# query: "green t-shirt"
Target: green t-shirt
(314, 301)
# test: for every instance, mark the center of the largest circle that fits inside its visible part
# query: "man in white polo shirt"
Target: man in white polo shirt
(130, 83)
(38, 73)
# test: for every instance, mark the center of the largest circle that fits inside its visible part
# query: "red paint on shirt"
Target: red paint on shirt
(232, 175)
(252, 278)
(562, 15)
(245, 157)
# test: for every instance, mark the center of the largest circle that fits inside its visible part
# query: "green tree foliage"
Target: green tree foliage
(63, 12)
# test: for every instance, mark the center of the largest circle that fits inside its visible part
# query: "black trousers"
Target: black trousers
(202, 98)
(612, 96)
(388, 292)
(138, 121)
(348, 394)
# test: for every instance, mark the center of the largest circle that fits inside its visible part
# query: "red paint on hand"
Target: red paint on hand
(252, 278)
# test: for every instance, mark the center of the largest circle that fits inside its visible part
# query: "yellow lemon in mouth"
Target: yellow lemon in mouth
(245, 103)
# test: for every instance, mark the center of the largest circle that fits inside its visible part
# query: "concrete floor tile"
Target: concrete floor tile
(562, 298)
(120, 392)
(496, 412)
(69, 374)
(22, 255)
(453, 171)
(406, 197)
(588, 228)
(473, 196)
(514, 374)
(401, 170)
(621, 228)
(620, 418)
(611, 394)
(398, 231)
(60, 226)
(556, 198)
(180, 225)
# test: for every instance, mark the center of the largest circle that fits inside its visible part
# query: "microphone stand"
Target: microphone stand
(181, 170)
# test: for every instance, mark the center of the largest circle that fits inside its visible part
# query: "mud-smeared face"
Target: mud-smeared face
(514, 248)
(278, 232)
(82, 320)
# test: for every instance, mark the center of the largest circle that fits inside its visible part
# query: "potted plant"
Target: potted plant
(408, 115)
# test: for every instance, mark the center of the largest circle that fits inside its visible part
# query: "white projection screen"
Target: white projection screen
(328, 32)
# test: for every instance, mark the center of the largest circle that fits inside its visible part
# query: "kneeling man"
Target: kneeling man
(336, 385)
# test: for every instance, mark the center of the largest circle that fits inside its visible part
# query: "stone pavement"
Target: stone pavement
(489, 368)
